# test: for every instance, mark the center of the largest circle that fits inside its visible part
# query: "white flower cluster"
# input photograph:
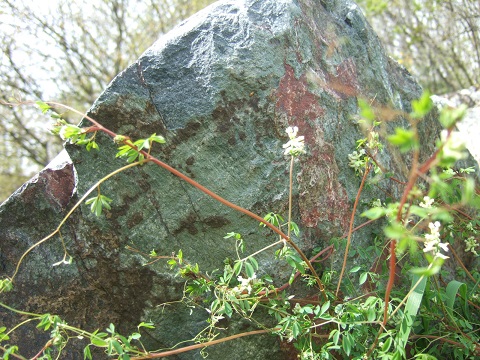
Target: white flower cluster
(356, 160)
(296, 145)
(427, 202)
(470, 245)
(432, 241)
(245, 284)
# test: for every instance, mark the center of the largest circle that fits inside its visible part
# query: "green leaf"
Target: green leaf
(366, 111)
(98, 203)
(9, 351)
(249, 270)
(135, 336)
(411, 310)
(86, 353)
(451, 291)
(374, 213)
(234, 235)
(371, 314)
(148, 325)
(253, 262)
(228, 309)
(324, 308)
(426, 271)
(3, 337)
(386, 345)
(355, 269)
(157, 138)
(43, 106)
(396, 231)
(294, 227)
(404, 139)
(96, 339)
(419, 211)
(468, 193)
(347, 342)
(363, 278)
(273, 219)
(45, 322)
(91, 145)
(117, 346)
(422, 106)
(6, 285)
(237, 268)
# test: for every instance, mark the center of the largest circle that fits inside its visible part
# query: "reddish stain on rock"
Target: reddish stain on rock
(323, 201)
(294, 98)
(55, 185)
(344, 83)
(59, 185)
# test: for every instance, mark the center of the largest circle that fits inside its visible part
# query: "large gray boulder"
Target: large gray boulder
(221, 87)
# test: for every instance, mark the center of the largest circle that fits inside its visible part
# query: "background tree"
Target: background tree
(437, 40)
(67, 51)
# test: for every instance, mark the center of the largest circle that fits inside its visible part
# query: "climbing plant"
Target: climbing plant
(433, 315)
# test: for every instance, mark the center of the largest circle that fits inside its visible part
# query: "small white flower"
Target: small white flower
(427, 202)
(296, 145)
(356, 160)
(444, 246)
(470, 227)
(471, 244)
(432, 241)
(245, 284)
(377, 203)
(292, 132)
(441, 256)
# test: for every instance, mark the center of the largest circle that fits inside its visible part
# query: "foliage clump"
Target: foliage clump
(433, 315)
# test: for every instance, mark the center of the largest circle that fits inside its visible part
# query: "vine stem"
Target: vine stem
(79, 202)
(199, 346)
(350, 229)
(242, 210)
(12, 354)
(148, 157)
(98, 127)
(290, 196)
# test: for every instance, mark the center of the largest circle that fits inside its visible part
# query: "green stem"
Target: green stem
(14, 355)
(290, 197)
(20, 312)
(262, 250)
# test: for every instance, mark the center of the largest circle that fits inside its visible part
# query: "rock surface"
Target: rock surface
(222, 88)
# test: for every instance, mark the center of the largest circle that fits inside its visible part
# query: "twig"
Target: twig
(350, 230)
(199, 346)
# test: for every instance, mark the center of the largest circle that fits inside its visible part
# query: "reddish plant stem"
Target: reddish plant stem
(328, 249)
(199, 346)
(47, 345)
(243, 211)
(359, 227)
(414, 174)
(98, 127)
(391, 279)
(350, 230)
(448, 341)
(460, 262)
